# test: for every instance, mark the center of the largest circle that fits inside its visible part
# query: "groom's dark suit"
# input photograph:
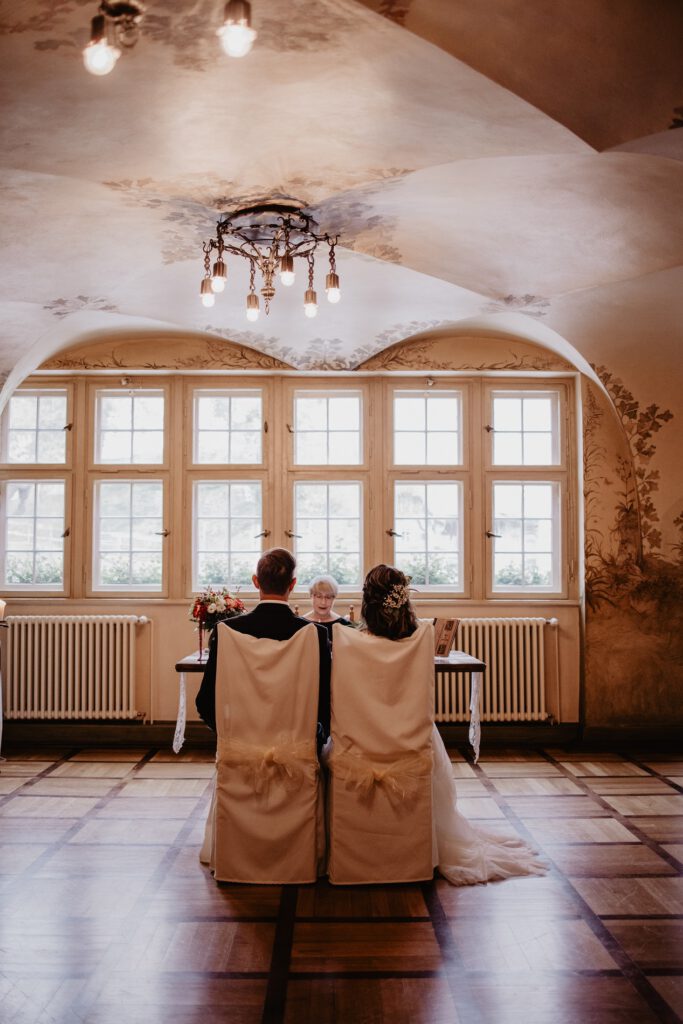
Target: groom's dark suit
(270, 620)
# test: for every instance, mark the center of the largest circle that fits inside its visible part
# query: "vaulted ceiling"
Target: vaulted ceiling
(498, 164)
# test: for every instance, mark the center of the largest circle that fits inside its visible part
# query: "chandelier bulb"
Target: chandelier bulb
(332, 287)
(99, 56)
(252, 307)
(206, 292)
(287, 270)
(310, 303)
(236, 34)
(220, 274)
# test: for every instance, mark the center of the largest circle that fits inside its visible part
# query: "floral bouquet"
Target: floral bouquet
(213, 606)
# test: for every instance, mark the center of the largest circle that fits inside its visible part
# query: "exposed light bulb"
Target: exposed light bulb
(206, 292)
(310, 303)
(287, 274)
(99, 57)
(219, 276)
(252, 307)
(332, 287)
(236, 35)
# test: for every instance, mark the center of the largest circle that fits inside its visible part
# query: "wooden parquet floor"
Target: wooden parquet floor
(107, 916)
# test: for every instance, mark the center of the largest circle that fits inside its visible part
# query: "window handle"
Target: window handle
(162, 533)
(489, 534)
(489, 428)
(392, 533)
(263, 533)
(68, 426)
(289, 428)
(67, 532)
(288, 533)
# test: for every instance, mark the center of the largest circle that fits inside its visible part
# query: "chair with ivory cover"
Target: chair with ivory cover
(265, 822)
(380, 791)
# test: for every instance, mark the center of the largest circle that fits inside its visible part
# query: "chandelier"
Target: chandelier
(116, 27)
(271, 235)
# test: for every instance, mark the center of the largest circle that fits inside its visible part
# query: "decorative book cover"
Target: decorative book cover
(444, 636)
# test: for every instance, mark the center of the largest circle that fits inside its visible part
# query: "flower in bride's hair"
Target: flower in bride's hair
(398, 595)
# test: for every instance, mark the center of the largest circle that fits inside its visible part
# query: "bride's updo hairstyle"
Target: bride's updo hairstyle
(386, 609)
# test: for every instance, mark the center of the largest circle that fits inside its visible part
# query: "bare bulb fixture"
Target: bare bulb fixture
(252, 307)
(206, 292)
(113, 29)
(236, 34)
(332, 288)
(310, 303)
(287, 275)
(220, 274)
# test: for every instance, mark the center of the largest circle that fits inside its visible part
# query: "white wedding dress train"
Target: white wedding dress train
(466, 854)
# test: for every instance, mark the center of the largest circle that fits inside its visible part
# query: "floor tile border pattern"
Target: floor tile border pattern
(630, 970)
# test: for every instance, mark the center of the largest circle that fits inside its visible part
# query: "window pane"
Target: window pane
(442, 449)
(226, 532)
(538, 414)
(311, 449)
(22, 446)
(212, 446)
(526, 430)
(115, 446)
(507, 449)
(344, 414)
(344, 449)
(429, 543)
(34, 533)
(128, 528)
(327, 430)
(426, 429)
(538, 449)
(51, 412)
(526, 550)
(148, 412)
(51, 446)
(23, 412)
(245, 447)
(227, 427)
(410, 448)
(328, 520)
(409, 412)
(507, 414)
(130, 428)
(35, 427)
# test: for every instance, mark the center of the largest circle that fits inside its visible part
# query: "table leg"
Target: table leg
(475, 714)
(179, 736)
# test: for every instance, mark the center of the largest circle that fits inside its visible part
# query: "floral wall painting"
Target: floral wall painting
(633, 584)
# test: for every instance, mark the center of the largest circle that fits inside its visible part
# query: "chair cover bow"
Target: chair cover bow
(400, 778)
(285, 762)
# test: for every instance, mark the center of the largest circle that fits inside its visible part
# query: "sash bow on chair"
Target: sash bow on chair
(400, 778)
(284, 762)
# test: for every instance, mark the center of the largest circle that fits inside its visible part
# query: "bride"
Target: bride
(464, 854)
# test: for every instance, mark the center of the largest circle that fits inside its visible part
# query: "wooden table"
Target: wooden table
(456, 661)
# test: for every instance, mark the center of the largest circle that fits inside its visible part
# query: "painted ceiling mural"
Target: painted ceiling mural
(477, 185)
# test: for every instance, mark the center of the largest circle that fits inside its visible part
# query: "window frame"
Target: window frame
(326, 389)
(197, 477)
(101, 386)
(192, 390)
(119, 590)
(41, 589)
(418, 386)
(438, 589)
(50, 387)
(525, 389)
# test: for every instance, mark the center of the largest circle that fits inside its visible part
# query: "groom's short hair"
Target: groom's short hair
(275, 571)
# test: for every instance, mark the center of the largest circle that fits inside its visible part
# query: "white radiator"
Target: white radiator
(514, 688)
(70, 666)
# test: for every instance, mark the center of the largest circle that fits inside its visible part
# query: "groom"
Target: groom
(271, 619)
